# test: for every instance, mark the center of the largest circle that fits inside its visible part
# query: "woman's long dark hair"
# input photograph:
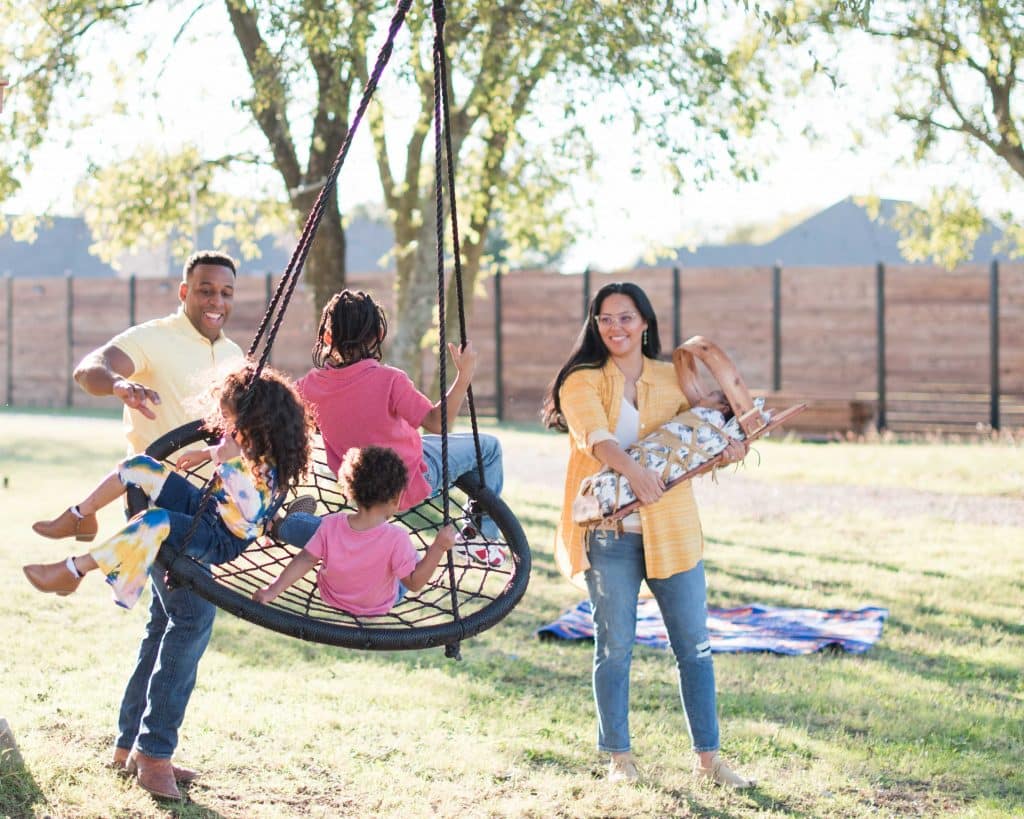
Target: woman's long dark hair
(589, 351)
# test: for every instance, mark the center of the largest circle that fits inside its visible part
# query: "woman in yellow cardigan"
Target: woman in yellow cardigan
(611, 392)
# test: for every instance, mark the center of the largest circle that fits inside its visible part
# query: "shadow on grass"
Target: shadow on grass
(19, 793)
(859, 562)
(190, 808)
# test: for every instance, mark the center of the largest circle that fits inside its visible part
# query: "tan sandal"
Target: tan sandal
(622, 768)
(721, 774)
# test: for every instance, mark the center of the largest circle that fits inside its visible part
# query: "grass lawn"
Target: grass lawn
(930, 722)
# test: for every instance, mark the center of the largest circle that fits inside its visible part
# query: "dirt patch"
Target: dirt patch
(749, 498)
(753, 499)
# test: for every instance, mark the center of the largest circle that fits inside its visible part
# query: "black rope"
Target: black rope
(286, 287)
(440, 122)
(294, 268)
(441, 66)
(422, 620)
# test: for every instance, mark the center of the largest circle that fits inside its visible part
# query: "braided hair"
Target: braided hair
(357, 327)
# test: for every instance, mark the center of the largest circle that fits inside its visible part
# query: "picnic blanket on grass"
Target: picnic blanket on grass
(749, 628)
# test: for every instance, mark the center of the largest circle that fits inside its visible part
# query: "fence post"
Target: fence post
(993, 324)
(131, 300)
(9, 286)
(776, 327)
(499, 363)
(881, 422)
(677, 308)
(586, 291)
(69, 290)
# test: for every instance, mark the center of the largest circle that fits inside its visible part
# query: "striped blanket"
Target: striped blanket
(749, 628)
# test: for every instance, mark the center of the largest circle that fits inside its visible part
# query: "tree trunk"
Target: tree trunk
(471, 256)
(324, 270)
(416, 296)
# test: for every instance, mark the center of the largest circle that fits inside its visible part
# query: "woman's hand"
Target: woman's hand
(647, 485)
(734, 451)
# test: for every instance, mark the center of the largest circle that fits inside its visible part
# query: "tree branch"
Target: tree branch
(269, 93)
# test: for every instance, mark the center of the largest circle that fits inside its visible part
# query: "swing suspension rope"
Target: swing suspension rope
(488, 593)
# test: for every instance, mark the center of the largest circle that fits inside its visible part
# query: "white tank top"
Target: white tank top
(627, 432)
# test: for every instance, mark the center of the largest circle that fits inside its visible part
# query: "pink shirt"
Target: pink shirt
(370, 404)
(359, 571)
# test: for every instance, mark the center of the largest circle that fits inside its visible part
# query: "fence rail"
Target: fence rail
(926, 348)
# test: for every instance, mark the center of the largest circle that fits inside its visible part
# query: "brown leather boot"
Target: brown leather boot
(52, 577)
(153, 775)
(120, 762)
(68, 524)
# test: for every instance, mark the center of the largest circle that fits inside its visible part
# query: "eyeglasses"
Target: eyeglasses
(607, 320)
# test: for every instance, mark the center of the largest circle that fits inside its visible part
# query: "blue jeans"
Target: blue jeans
(178, 631)
(298, 527)
(616, 570)
(462, 462)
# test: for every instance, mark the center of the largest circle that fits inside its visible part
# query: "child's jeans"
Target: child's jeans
(462, 462)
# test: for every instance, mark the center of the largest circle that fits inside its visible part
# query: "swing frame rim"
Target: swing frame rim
(198, 578)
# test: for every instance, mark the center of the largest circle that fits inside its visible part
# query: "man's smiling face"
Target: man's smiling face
(207, 295)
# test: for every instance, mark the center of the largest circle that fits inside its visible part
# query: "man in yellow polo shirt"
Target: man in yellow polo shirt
(154, 369)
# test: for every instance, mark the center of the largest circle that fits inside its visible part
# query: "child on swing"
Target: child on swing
(357, 401)
(264, 450)
(366, 563)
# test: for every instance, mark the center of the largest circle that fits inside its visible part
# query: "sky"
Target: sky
(630, 215)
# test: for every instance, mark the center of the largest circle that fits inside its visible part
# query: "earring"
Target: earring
(644, 339)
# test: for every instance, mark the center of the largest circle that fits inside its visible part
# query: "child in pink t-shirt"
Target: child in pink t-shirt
(366, 563)
(357, 401)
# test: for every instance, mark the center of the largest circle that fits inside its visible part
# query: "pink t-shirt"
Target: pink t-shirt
(370, 404)
(359, 571)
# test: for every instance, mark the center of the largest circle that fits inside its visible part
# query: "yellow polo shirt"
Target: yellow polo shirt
(591, 400)
(172, 357)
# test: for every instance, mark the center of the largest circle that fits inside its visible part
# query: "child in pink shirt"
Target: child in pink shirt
(357, 401)
(366, 563)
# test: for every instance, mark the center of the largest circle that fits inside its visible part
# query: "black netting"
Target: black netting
(464, 598)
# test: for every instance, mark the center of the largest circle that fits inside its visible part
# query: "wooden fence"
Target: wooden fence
(925, 348)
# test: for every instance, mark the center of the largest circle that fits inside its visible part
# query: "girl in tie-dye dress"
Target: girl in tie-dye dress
(265, 450)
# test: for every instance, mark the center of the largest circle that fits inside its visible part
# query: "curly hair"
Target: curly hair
(357, 326)
(270, 417)
(373, 475)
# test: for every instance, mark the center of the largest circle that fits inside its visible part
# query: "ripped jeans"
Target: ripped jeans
(616, 569)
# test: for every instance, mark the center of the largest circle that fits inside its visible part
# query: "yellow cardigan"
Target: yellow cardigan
(591, 400)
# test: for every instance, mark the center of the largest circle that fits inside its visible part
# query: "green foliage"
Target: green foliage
(40, 43)
(524, 79)
(956, 82)
(945, 229)
(153, 198)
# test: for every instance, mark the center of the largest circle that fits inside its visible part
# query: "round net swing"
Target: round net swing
(464, 597)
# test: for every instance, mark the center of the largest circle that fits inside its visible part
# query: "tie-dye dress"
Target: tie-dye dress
(242, 494)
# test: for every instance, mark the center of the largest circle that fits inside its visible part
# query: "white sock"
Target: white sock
(70, 563)
(76, 513)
